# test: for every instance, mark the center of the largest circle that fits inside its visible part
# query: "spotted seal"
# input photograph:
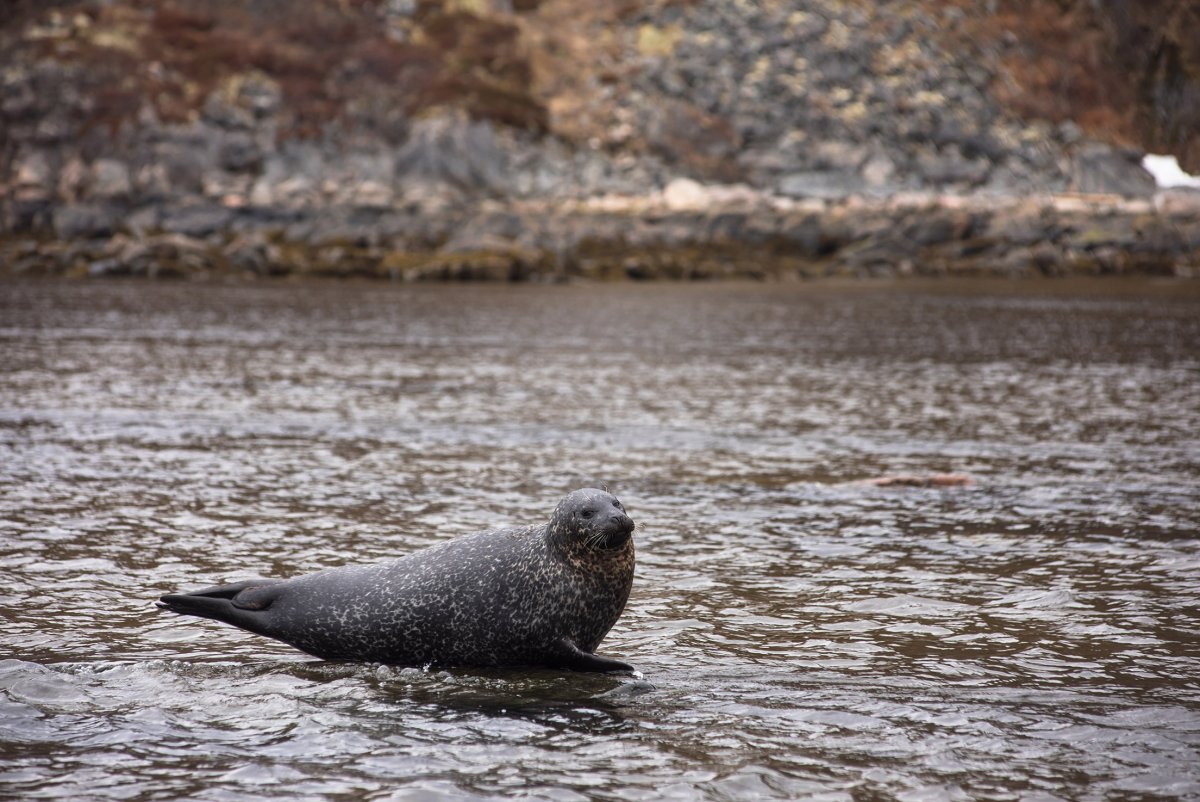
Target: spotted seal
(540, 595)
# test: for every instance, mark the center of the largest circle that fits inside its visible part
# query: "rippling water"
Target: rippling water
(1030, 636)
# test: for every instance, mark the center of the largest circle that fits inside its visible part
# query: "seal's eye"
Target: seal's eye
(588, 513)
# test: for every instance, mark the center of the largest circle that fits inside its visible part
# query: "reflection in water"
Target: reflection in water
(1028, 636)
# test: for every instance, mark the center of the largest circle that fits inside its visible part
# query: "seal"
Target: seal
(541, 595)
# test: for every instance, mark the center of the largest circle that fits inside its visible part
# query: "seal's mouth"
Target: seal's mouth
(616, 535)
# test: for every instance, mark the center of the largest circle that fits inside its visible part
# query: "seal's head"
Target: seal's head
(592, 520)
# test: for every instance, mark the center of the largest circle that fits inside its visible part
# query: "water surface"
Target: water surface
(1029, 636)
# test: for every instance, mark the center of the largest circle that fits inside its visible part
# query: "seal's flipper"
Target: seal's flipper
(233, 604)
(572, 657)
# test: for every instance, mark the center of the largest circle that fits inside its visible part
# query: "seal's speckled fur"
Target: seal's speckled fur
(540, 595)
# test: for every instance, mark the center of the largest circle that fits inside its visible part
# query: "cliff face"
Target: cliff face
(1124, 71)
(385, 120)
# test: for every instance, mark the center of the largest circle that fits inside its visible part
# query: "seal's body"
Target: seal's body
(535, 596)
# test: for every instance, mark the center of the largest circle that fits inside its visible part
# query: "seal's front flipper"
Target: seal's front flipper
(571, 656)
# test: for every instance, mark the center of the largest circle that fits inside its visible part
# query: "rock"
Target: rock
(84, 220)
(184, 160)
(774, 129)
(151, 181)
(1102, 169)
(453, 151)
(701, 142)
(839, 155)
(33, 178)
(249, 253)
(684, 193)
(940, 226)
(878, 171)
(948, 166)
(107, 268)
(804, 237)
(1023, 225)
(239, 153)
(372, 195)
(1178, 201)
(73, 180)
(200, 220)
(825, 184)
(110, 180)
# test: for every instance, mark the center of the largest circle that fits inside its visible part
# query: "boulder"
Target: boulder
(824, 184)
(1102, 169)
(110, 180)
(84, 220)
(197, 221)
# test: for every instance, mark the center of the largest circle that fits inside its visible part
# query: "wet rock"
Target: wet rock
(250, 253)
(1023, 225)
(167, 255)
(805, 237)
(939, 226)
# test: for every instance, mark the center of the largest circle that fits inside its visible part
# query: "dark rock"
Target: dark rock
(804, 237)
(939, 226)
(1103, 169)
(240, 153)
(184, 165)
(250, 253)
(732, 227)
(110, 180)
(107, 268)
(1022, 226)
(197, 221)
(82, 220)
(950, 166)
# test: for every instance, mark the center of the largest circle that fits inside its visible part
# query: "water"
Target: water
(1034, 635)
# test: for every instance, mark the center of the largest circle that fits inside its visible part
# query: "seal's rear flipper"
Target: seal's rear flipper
(572, 657)
(233, 604)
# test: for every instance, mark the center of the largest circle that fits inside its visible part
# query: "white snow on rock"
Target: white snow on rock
(1167, 172)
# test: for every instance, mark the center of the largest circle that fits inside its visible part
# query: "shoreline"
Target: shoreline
(688, 231)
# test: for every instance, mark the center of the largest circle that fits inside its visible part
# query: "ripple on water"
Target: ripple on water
(1028, 636)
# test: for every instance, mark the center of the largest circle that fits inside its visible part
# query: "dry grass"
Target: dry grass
(331, 55)
(1057, 60)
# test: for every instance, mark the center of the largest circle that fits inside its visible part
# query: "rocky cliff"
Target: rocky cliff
(620, 137)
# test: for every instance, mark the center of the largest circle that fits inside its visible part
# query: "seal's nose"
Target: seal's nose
(622, 521)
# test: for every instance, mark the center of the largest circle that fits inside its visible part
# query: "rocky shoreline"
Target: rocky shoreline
(687, 232)
(542, 140)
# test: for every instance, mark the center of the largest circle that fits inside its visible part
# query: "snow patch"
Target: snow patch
(1167, 172)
